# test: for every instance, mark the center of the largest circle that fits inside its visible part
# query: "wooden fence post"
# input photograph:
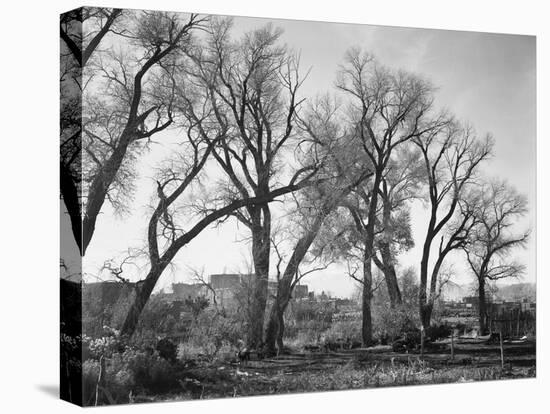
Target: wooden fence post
(501, 351)
(452, 345)
(519, 319)
(422, 335)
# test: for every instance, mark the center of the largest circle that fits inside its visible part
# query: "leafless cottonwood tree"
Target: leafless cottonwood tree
(344, 237)
(386, 109)
(287, 281)
(127, 97)
(491, 241)
(81, 31)
(399, 185)
(253, 88)
(206, 134)
(117, 269)
(452, 156)
(83, 41)
(333, 149)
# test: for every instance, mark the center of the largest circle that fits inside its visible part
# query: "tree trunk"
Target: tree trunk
(482, 307)
(281, 332)
(142, 296)
(366, 326)
(261, 244)
(275, 326)
(259, 301)
(388, 268)
(426, 315)
(388, 262)
(424, 307)
(70, 194)
(99, 188)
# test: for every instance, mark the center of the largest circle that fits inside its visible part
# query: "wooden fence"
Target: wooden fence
(513, 322)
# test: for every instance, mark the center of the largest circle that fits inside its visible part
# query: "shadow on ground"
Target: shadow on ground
(49, 389)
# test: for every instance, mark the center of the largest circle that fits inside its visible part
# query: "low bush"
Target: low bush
(132, 371)
(212, 333)
(113, 370)
(347, 330)
(150, 372)
(436, 332)
(167, 349)
(391, 323)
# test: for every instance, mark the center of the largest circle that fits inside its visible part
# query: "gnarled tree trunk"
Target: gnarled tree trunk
(261, 244)
(143, 292)
(275, 326)
(388, 262)
(366, 325)
(482, 307)
(387, 266)
(425, 305)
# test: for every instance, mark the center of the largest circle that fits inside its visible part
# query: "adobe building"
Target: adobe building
(191, 291)
(228, 286)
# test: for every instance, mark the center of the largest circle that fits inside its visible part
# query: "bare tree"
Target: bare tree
(285, 287)
(387, 109)
(452, 156)
(291, 275)
(81, 31)
(82, 42)
(340, 171)
(136, 101)
(399, 185)
(489, 244)
(198, 277)
(167, 233)
(253, 87)
(117, 268)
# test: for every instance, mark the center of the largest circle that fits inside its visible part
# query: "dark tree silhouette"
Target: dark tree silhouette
(76, 49)
(452, 156)
(327, 144)
(387, 109)
(399, 185)
(253, 88)
(166, 233)
(491, 241)
(136, 103)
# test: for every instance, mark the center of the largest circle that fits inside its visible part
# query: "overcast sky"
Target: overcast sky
(486, 79)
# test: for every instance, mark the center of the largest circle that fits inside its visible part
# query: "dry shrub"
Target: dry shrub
(344, 330)
(210, 334)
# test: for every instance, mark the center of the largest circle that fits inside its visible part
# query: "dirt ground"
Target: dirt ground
(358, 368)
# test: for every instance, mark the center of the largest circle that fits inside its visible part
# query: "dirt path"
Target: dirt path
(466, 353)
